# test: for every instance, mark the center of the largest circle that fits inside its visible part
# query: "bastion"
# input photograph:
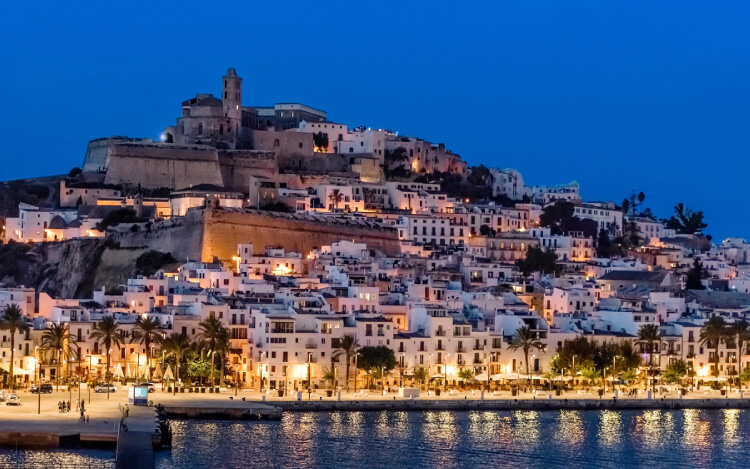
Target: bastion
(211, 233)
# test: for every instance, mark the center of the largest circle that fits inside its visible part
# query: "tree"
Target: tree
(211, 332)
(558, 216)
(376, 360)
(336, 197)
(480, 176)
(625, 206)
(526, 339)
(466, 374)
(13, 321)
(485, 230)
(150, 262)
(348, 345)
(713, 332)
(178, 345)
(604, 244)
(399, 156)
(591, 374)
(421, 374)
(320, 140)
(222, 349)
(694, 276)
(329, 374)
(649, 336)
(117, 216)
(675, 371)
(75, 172)
(146, 333)
(641, 198)
(107, 333)
(56, 342)
(740, 331)
(686, 221)
(538, 260)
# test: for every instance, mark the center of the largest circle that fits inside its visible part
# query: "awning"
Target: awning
(17, 370)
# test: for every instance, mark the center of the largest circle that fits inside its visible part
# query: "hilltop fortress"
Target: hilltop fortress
(219, 141)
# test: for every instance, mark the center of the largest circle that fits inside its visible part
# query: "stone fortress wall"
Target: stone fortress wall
(207, 233)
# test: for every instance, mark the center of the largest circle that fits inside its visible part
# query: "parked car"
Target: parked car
(13, 399)
(45, 388)
(103, 388)
(151, 386)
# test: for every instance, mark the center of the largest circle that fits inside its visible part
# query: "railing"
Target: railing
(440, 333)
(311, 345)
(440, 347)
(460, 349)
(478, 347)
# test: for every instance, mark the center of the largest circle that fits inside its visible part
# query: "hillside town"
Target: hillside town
(404, 267)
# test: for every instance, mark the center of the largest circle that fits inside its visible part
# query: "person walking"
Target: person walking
(127, 410)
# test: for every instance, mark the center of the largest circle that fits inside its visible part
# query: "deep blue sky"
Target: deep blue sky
(652, 96)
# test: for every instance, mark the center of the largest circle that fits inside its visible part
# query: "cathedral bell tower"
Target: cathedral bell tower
(231, 98)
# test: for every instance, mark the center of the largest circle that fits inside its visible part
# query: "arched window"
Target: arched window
(200, 128)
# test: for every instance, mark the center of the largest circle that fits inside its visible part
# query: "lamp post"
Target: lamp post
(445, 369)
(260, 358)
(162, 370)
(109, 360)
(39, 382)
(137, 363)
(573, 370)
(309, 375)
(88, 385)
(355, 372)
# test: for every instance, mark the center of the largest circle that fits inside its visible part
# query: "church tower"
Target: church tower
(231, 97)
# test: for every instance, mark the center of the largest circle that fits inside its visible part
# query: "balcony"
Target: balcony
(477, 361)
(440, 333)
(440, 347)
(478, 347)
(461, 349)
(311, 345)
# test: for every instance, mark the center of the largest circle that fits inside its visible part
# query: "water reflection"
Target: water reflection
(569, 427)
(526, 426)
(612, 439)
(731, 426)
(610, 428)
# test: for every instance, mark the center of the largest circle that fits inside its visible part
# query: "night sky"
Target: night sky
(651, 96)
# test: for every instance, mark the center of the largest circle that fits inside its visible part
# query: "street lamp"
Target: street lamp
(39, 381)
(309, 375)
(260, 358)
(446, 370)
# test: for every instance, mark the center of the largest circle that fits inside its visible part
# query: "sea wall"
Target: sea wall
(509, 404)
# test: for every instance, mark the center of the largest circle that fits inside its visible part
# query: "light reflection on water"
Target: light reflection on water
(571, 438)
(613, 439)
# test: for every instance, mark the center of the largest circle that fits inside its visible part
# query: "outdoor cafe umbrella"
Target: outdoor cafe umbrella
(500, 376)
(437, 376)
(118, 372)
(168, 373)
(481, 377)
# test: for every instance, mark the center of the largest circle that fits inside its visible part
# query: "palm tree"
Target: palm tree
(336, 198)
(421, 374)
(56, 341)
(12, 320)
(211, 332)
(178, 345)
(648, 335)
(712, 333)
(146, 333)
(348, 345)
(223, 349)
(107, 333)
(741, 332)
(526, 339)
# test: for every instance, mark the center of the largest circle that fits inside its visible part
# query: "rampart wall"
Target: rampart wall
(162, 165)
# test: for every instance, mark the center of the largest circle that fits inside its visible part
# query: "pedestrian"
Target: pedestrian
(59, 406)
(127, 410)
(67, 407)
(83, 404)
